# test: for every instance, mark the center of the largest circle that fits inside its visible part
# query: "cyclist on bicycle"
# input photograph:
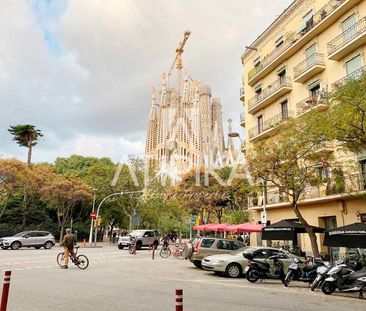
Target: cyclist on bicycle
(68, 243)
(165, 241)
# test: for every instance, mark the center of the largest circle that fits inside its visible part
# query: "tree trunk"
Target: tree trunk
(62, 225)
(310, 232)
(29, 159)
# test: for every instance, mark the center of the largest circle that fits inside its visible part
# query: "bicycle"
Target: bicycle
(81, 261)
(165, 251)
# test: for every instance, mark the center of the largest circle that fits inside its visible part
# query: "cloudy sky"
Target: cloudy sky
(82, 70)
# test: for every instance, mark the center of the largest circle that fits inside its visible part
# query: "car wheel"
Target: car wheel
(16, 245)
(233, 270)
(48, 245)
(197, 263)
(156, 244)
(329, 288)
(37, 247)
(4, 247)
(138, 245)
(120, 246)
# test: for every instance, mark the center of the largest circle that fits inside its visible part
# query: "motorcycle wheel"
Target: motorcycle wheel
(252, 277)
(329, 288)
(315, 284)
(288, 279)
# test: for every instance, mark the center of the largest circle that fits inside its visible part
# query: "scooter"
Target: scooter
(322, 273)
(305, 273)
(345, 279)
(257, 270)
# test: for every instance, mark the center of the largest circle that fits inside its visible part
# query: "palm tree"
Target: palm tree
(26, 136)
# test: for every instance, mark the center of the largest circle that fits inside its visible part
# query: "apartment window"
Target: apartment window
(307, 22)
(284, 110)
(324, 170)
(260, 124)
(353, 65)
(279, 41)
(310, 51)
(349, 32)
(363, 218)
(314, 89)
(257, 62)
(281, 73)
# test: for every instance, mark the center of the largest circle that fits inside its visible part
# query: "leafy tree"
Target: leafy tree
(346, 119)
(26, 136)
(289, 160)
(64, 195)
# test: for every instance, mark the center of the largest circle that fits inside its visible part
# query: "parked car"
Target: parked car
(198, 248)
(233, 264)
(36, 239)
(143, 238)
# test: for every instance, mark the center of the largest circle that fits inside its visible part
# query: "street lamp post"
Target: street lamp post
(91, 219)
(101, 202)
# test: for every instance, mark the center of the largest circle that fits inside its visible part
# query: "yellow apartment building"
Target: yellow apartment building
(310, 49)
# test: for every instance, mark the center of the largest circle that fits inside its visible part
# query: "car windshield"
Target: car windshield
(20, 233)
(136, 233)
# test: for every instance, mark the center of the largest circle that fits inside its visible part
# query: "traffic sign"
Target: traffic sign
(193, 219)
(93, 215)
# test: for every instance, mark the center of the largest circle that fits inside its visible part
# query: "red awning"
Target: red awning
(246, 227)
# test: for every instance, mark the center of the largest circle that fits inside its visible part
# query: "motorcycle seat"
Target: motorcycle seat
(356, 275)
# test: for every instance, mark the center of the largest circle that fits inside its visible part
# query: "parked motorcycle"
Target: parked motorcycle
(345, 279)
(303, 273)
(258, 270)
(322, 273)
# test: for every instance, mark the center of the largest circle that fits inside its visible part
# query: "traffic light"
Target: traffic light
(97, 222)
(198, 220)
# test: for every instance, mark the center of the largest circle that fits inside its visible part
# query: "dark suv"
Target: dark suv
(198, 248)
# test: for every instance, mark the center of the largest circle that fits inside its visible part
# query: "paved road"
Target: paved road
(117, 280)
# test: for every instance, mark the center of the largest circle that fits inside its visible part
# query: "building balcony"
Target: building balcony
(332, 189)
(348, 41)
(352, 76)
(242, 94)
(242, 119)
(274, 91)
(256, 132)
(295, 41)
(309, 67)
(311, 103)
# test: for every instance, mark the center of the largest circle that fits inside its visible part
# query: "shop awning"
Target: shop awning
(245, 227)
(351, 236)
(285, 230)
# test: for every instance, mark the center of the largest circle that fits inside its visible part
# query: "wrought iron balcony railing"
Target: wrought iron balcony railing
(292, 38)
(242, 92)
(357, 74)
(311, 61)
(270, 123)
(347, 36)
(309, 103)
(336, 185)
(268, 91)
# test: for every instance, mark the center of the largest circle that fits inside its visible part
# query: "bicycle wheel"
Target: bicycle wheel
(82, 262)
(60, 259)
(165, 252)
(180, 255)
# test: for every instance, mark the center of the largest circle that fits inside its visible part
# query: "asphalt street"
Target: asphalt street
(116, 280)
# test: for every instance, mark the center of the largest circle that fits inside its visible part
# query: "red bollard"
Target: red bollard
(179, 300)
(153, 253)
(5, 294)
(149, 247)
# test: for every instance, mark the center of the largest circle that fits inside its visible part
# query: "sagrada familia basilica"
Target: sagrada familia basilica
(185, 128)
